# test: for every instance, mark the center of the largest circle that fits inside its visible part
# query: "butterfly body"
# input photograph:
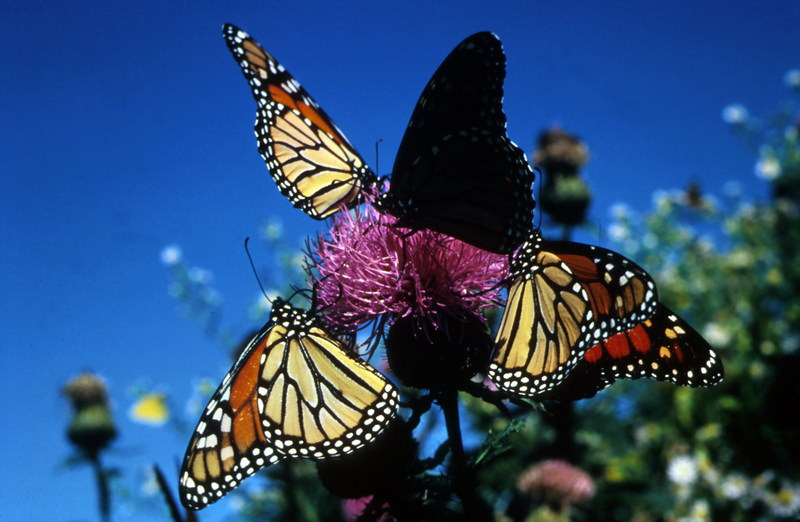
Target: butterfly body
(295, 392)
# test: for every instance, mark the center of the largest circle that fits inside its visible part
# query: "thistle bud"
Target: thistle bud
(565, 195)
(92, 427)
(438, 357)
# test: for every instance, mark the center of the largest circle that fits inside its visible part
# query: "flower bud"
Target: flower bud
(566, 199)
(92, 427)
(434, 358)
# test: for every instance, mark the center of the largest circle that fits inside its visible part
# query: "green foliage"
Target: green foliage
(728, 453)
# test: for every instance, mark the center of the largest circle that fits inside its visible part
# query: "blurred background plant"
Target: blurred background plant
(730, 266)
(91, 430)
(640, 450)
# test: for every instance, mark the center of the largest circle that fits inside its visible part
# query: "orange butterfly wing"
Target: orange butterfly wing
(294, 392)
(309, 158)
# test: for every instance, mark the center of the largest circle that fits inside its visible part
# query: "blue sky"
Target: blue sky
(127, 127)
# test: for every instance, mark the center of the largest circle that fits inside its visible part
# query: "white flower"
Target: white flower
(171, 255)
(792, 79)
(662, 199)
(200, 275)
(700, 512)
(211, 297)
(790, 343)
(273, 229)
(734, 114)
(705, 245)
(716, 335)
(620, 211)
(618, 232)
(734, 486)
(740, 258)
(786, 502)
(768, 167)
(682, 470)
(650, 240)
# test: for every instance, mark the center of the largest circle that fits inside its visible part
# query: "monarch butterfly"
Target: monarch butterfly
(309, 158)
(563, 298)
(456, 171)
(662, 347)
(294, 392)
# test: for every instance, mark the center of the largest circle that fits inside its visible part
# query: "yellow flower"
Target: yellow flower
(151, 408)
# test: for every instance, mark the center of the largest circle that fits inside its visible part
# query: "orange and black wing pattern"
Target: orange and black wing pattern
(663, 347)
(310, 159)
(547, 324)
(564, 298)
(621, 293)
(295, 392)
(628, 334)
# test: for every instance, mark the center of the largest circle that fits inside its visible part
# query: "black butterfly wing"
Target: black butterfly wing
(456, 171)
(465, 91)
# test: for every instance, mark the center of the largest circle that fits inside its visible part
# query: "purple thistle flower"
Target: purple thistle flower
(365, 267)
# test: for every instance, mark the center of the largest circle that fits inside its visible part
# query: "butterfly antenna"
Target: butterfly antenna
(377, 157)
(305, 292)
(253, 266)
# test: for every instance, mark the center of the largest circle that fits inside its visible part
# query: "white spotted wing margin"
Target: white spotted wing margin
(547, 324)
(295, 392)
(308, 156)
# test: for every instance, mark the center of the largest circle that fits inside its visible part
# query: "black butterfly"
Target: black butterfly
(456, 171)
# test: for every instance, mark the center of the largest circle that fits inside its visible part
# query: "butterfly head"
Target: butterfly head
(526, 255)
(389, 203)
(287, 315)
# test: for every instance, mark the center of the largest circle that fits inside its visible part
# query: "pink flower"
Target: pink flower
(354, 508)
(557, 483)
(364, 267)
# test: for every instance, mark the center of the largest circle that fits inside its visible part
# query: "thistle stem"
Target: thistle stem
(463, 482)
(102, 488)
